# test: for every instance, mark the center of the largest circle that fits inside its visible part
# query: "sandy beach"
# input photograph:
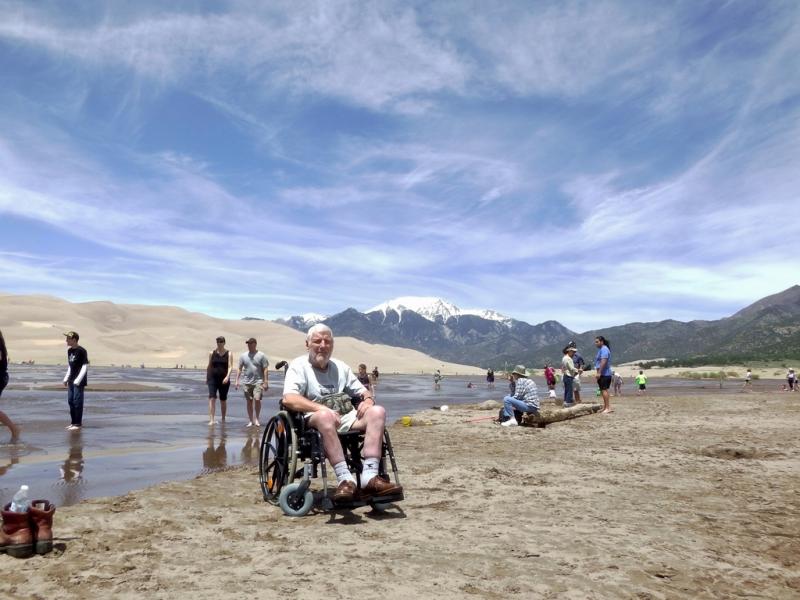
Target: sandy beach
(669, 497)
(166, 336)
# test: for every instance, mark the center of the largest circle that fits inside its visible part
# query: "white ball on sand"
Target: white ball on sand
(444, 408)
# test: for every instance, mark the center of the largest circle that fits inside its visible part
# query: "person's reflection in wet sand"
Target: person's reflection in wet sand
(250, 448)
(72, 469)
(9, 458)
(215, 458)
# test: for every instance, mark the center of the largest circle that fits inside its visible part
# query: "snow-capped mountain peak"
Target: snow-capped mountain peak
(432, 308)
(313, 318)
(425, 306)
(486, 313)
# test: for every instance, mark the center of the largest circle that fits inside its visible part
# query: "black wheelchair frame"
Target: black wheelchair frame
(287, 441)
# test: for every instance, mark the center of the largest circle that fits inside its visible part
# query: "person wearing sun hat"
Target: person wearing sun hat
(76, 379)
(524, 399)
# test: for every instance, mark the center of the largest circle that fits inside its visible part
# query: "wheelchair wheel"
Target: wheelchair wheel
(293, 503)
(277, 459)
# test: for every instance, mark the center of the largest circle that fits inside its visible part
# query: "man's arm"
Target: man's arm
(298, 403)
(81, 374)
(66, 377)
(265, 385)
(238, 374)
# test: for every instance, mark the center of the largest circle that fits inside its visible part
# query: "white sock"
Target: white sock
(343, 473)
(370, 470)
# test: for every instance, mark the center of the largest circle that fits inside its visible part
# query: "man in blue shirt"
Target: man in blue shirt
(602, 364)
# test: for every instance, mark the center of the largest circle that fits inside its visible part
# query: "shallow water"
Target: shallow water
(134, 439)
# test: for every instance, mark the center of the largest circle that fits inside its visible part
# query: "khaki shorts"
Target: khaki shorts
(253, 391)
(345, 421)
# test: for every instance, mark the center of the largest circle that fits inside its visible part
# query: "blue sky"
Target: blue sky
(595, 162)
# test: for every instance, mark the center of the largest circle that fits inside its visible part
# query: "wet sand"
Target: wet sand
(134, 439)
(691, 496)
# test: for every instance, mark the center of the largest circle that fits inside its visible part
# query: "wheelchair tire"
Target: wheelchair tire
(293, 504)
(277, 459)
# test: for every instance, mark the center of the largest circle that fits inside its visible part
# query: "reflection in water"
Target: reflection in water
(10, 457)
(250, 448)
(215, 458)
(72, 470)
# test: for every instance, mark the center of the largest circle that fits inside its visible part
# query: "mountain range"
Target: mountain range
(768, 329)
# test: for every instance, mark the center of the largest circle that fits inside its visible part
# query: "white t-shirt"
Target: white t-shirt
(308, 381)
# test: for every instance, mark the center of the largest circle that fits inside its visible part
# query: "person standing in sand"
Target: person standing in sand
(4, 418)
(550, 378)
(748, 379)
(76, 379)
(569, 373)
(313, 376)
(602, 365)
(256, 380)
(641, 381)
(791, 380)
(218, 379)
(616, 379)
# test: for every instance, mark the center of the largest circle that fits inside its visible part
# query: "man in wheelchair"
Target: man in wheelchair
(309, 379)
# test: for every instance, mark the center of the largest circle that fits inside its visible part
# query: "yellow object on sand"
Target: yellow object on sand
(406, 421)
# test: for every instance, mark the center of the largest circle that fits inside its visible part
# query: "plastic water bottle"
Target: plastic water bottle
(19, 503)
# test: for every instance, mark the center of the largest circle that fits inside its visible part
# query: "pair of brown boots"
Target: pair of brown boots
(25, 533)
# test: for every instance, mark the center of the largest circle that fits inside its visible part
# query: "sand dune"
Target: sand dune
(163, 336)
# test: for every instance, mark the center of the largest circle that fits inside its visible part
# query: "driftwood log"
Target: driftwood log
(549, 414)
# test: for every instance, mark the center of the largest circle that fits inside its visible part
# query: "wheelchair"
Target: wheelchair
(292, 454)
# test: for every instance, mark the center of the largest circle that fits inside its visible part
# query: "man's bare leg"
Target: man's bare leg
(372, 424)
(324, 421)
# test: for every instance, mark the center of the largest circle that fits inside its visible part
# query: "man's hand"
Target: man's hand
(65, 383)
(225, 381)
(363, 406)
(265, 386)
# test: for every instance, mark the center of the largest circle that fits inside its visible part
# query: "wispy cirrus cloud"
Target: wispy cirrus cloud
(347, 152)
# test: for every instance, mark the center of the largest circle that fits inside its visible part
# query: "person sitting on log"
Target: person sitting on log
(524, 399)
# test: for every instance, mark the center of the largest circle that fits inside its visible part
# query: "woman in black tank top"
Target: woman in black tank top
(3, 383)
(218, 378)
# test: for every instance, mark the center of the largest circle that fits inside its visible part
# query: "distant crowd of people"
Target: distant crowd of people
(252, 375)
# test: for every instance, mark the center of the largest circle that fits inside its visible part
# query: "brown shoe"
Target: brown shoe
(41, 514)
(15, 536)
(378, 486)
(345, 492)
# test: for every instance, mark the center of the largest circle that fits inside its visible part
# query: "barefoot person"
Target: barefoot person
(256, 380)
(218, 379)
(76, 379)
(313, 376)
(602, 365)
(4, 419)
